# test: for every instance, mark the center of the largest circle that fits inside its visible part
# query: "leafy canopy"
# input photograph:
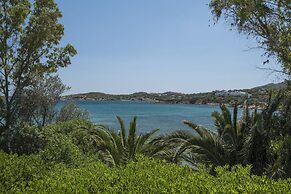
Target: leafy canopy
(30, 35)
(268, 21)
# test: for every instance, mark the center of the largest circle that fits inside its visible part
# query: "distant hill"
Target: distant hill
(256, 96)
(270, 86)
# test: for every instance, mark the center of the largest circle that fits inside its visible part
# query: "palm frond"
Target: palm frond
(226, 114)
(219, 122)
(122, 130)
(132, 137)
(143, 139)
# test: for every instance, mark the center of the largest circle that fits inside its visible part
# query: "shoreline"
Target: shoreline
(150, 101)
(256, 98)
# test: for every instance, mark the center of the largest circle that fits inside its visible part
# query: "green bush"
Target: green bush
(68, 142)
(27, 139)
(72, 111)
(60, 149)
(144, 176)
(17, 171)
(31, 139)
(79, 131)
(67, 164)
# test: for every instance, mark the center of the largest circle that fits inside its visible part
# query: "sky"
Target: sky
(127, 46)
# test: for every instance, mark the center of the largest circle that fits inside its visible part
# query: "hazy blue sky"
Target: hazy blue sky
(126, 46)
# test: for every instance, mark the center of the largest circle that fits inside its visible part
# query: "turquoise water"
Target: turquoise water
(166, 117)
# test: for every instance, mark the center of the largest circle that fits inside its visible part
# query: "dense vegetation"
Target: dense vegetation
(30, 174)
(250, 154)
(44, 151)
(30, 54)
(268, 22)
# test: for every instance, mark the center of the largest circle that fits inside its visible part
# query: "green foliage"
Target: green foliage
(116, 148)
(28, 175)
(71, 111)
(81, 132)
(268, 21)
(30, 36)
(27, 139)
(17, 171)
(37, 102)
(67, 153)
(67, 142)
(61, 142)
(202, 146)
(61, 149)
(260, 139)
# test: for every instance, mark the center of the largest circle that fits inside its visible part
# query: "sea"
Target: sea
(166, 117)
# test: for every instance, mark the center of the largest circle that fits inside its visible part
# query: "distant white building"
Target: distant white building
(221, 93)
(232, 93)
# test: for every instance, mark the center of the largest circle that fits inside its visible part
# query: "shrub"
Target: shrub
(71, 111)
(26, 139)
(17, 171)
(60, 149)
(79, 131)
(144, 176)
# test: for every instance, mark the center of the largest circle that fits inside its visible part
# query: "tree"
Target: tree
(30, 35)
(71, 111)
(268, 21)
(37, 102)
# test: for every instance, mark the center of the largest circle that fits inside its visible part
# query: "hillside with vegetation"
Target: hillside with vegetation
(257, 96)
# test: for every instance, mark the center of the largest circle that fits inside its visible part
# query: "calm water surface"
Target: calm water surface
(166, 117)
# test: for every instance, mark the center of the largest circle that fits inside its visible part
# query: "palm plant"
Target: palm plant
(255, 150)
(116, 148)
(205, 146)
(277, 117)
(239, 141)
(229, 130)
